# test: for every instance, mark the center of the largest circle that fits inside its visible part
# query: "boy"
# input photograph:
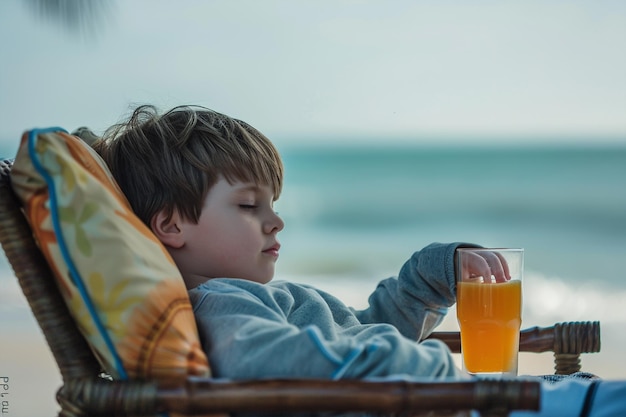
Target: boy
(205, 184)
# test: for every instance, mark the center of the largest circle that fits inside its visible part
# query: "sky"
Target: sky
(327, 71)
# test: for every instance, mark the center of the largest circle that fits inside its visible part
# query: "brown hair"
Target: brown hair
(170, 162)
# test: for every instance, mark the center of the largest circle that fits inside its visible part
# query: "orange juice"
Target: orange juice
(489, 316)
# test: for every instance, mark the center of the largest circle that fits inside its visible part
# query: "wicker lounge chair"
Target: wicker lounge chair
(87, 392)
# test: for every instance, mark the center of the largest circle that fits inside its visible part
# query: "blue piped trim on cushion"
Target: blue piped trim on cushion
(75, 276)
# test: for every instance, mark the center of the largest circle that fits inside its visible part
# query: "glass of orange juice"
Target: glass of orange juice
(489, 309)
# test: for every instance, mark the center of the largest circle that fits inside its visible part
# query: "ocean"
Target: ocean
(355, 213)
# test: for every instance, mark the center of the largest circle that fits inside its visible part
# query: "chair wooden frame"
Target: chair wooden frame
(86, 392)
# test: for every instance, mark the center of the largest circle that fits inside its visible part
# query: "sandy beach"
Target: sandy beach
(33, 377)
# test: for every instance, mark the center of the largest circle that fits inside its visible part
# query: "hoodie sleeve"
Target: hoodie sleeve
(246, 334)
(418, 299)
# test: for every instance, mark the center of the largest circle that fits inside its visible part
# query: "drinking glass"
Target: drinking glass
(489, 309)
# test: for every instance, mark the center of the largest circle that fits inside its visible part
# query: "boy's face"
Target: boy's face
(235, 236)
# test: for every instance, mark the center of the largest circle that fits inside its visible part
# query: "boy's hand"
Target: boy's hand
(485, 264)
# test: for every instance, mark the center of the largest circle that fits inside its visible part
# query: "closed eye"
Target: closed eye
(247, 206)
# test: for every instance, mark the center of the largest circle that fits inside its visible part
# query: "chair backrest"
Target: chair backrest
(121, 287)
(70, 350)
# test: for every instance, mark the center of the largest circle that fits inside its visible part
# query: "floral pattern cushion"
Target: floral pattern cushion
(119, 282)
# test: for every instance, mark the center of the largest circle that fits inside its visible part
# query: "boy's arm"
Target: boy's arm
(417, 300)
(246, 337)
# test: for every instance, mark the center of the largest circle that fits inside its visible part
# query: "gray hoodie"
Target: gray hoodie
(281, 329)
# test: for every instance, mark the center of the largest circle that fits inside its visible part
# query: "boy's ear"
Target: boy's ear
(168, 230)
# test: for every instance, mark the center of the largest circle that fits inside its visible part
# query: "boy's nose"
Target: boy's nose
(274, 224)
